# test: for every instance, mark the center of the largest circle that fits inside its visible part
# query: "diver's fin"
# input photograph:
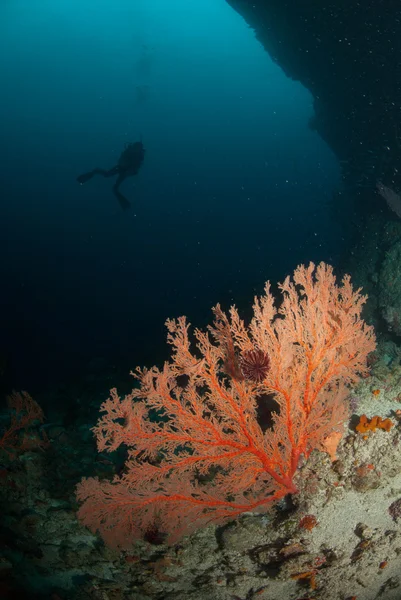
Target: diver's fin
(85, 177)
(125, 205)
(122, 200)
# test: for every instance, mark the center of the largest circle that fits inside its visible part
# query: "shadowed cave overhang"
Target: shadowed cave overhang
(348, 54)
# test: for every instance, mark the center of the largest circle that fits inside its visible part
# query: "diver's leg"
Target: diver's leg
(121, 199)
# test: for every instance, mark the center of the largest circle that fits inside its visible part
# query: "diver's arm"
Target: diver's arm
(86, 176)
(111, 172)
(106, 173)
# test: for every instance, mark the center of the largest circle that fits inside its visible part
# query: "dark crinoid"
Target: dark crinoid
(255, 365)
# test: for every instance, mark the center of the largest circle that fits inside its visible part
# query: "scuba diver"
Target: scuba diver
(128, 165)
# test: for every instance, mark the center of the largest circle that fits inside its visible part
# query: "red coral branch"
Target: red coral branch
(24, 412)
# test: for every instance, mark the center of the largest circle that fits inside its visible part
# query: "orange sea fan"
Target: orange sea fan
(197, 453)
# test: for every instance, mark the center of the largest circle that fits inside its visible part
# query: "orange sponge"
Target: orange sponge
(372, 424)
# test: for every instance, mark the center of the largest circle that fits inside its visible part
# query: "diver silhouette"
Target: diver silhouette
(128, 165)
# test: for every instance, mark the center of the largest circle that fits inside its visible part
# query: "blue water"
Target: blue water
(235, 188)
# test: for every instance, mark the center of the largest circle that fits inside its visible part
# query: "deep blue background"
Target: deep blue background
(235, 188)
